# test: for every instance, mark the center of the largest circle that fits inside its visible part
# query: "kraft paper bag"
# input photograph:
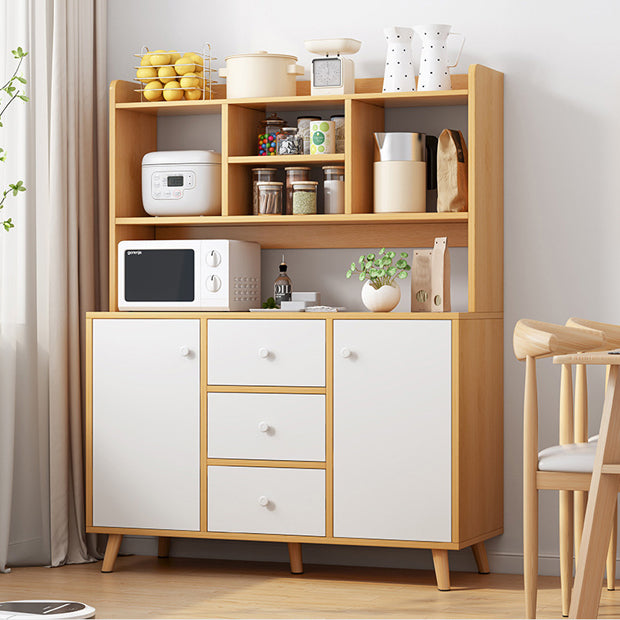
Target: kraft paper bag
(451, 172)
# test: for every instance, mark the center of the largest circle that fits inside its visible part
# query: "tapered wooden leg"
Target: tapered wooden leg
(163, 547)
(566, 548)
(530, 492)
(580, 501)
(294, 554)
(480, 555)
(611, 552)
(111, 551)
(442, 569)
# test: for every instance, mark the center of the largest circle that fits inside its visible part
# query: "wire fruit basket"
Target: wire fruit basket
(172, 76)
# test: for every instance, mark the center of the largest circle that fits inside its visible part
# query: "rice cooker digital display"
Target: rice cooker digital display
(176, 181)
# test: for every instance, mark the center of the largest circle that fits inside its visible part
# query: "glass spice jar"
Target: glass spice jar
(339, 127)
(304, 197)
(267, 134)
(298, 173)
(260, 174)
(333, 189)
(269, 197)
(288, 142)
(303, 128)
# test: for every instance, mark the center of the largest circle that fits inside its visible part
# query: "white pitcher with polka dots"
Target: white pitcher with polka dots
(399, 73)
(434, 66)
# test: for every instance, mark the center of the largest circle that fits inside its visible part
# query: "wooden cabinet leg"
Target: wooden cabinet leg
(294, 554)
(480, 555)
(111, 551)
(163, 547)
(442, 569)
(566, 548)
(611, 552)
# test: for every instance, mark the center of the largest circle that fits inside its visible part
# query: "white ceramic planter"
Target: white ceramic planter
(384, 299)
(261, 75)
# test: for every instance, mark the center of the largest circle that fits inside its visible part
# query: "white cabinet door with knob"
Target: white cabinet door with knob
(146, 423)
(392, 429)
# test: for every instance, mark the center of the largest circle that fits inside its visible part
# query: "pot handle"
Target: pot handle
(223, 72)
(456, 62)
(295, 69)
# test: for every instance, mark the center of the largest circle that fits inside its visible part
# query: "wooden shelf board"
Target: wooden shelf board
(266, 160)
(305, 102)
(269, 220)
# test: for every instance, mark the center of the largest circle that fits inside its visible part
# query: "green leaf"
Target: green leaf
(362, 259)
(370, 257)
(8, 224)
(24, 98)
(402, 275)
(407, 267)
(391, 272)
(20, 79)
(386, 261)
(368, 265)
(362, 276)
(381, 251)
(404, 254)
(401, 264)
(349, 273)
(391, 254)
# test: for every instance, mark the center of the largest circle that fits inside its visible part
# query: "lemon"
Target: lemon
(190, 80)
(192, 94)
(145, 61)
(184, 65)
(152, 90)
(171, 93)
(196, 59)
(146, 74)
(160, 57)
(166, 74)
(174, 56)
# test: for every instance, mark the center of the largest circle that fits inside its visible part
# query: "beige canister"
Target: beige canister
(400, 186)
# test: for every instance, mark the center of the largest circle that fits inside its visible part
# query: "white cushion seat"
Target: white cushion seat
(571, 457)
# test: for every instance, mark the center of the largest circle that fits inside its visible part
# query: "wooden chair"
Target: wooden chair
(563, 467)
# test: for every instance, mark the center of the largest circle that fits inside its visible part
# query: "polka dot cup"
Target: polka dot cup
(434, 66)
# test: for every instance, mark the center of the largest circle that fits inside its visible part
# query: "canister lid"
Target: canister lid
(264, 169)
(175, 158)
(269, 183)
(297, 168)
(261, 54)
(305, 184)
(333, 167)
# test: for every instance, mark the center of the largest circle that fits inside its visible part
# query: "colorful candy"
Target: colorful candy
(267, 143)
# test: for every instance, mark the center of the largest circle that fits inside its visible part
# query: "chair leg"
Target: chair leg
(294, 554)
(566, 548)
(480, 555)
(111, 552)
(580, 501)
(442, 569)
(611, 552)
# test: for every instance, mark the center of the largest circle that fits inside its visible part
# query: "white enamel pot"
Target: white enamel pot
(383, 299)
(261, 75)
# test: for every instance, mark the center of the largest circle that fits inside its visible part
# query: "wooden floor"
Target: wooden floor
(147, 587)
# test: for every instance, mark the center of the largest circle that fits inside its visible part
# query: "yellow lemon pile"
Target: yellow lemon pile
(171, 76)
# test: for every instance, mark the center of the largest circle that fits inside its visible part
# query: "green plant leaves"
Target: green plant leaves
(8, 224)
(17, 187)
(379, 269)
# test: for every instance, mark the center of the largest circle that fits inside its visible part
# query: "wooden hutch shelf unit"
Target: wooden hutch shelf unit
(416, 463)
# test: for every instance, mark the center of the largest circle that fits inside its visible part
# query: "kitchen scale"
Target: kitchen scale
(15, 610)
(332, 74)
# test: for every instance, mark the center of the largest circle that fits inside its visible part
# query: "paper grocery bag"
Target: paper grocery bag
(451, 171)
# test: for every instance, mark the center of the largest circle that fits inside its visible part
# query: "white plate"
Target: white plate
(333, 46)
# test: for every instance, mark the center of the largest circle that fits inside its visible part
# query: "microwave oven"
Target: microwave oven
(198, 275)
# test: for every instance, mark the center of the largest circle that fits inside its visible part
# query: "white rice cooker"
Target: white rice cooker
(182, 183)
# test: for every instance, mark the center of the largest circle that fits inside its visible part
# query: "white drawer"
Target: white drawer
(281, 427)
(266, 352)
(266, 500)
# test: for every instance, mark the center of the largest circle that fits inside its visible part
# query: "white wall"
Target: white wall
(562, 163)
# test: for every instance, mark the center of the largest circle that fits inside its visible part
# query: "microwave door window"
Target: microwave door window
(159, 275)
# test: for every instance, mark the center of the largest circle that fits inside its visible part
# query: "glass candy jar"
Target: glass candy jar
(267, 134)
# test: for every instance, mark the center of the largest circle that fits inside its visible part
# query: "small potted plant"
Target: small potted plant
(380, 292)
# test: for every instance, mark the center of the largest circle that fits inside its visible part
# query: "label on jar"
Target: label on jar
(322, 137)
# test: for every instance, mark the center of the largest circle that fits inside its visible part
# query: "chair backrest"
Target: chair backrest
(610, 332)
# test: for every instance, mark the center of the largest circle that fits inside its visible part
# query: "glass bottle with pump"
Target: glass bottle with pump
(282, 287)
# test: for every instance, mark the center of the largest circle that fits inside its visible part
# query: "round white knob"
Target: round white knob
(263, 427)
(345, 352)
(213, 283)
(263, 501)
(263, 352)
(184, 351)
(213, 258)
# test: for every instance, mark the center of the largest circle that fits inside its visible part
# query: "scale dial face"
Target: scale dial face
(326, 72)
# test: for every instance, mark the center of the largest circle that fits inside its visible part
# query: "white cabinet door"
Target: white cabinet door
(146, 423)
(392, 429)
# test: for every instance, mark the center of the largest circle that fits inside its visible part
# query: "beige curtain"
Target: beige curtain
(61, 241)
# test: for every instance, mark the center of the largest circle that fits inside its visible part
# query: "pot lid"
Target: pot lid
(262, 54)
(181, 157)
